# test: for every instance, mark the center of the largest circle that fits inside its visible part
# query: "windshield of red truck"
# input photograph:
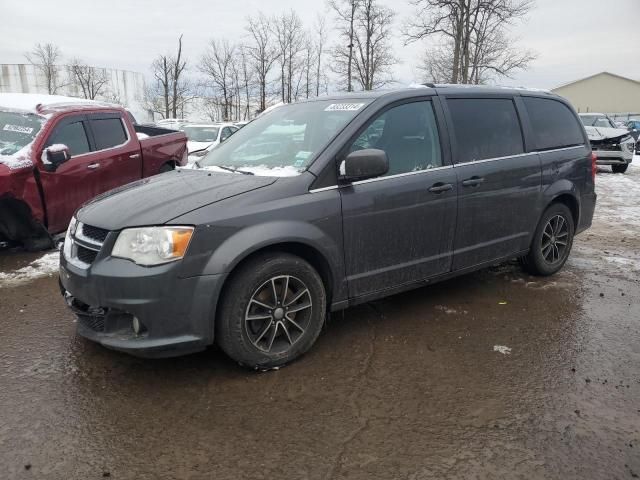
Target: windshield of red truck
(17, 130)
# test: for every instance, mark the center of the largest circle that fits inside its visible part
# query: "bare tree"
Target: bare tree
(45, 58)
(218, 65)
(472, 33)
(374, 55)
(346, 11)
(370, 61)
(290, 41)
(90, 81)
(262, 53)
(171, 87)
(179, 66)
(320, 41)
(247, 79)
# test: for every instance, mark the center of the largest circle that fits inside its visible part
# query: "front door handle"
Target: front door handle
(472, 182)
(440, 187)
(93, 166)
(134, 156)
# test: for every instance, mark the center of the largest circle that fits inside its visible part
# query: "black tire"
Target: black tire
(242, 316)
(167, 167)
(619, 168)
(546, 255)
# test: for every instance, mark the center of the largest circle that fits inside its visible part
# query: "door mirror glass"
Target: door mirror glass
(55, 155)
(363, 164)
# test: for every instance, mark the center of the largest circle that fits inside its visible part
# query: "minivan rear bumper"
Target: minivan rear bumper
(587, 208)
(176, 314)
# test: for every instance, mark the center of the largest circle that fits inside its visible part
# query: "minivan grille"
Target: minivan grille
(86, 244)
(94, 323)
(86, 255)
(95, 233)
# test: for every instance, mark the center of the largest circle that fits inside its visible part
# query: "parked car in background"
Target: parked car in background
(171, 123)
(241, 124)
(634, 130)
(327, 203)
(201, 136)
(613, 146)
(56, 153)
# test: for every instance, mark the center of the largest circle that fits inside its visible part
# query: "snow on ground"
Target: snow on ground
(45, 266)
(613, 241)
(619, 198)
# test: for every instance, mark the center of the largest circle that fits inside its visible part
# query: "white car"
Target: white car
(201, 136)
(612, 145)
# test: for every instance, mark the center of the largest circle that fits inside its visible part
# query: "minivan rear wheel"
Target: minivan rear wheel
(552, 241)
(272, 311)
(619, 168)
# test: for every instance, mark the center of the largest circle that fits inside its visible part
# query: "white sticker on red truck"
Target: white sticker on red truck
(18, 129)
(344, 107)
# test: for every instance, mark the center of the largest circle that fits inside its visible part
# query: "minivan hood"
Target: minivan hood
(159, 199)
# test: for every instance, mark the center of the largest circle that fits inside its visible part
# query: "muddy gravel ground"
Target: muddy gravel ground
(492, 375)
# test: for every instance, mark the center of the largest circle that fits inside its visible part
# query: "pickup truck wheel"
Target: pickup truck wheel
(552, 241)
(272, 311)
(619, 168)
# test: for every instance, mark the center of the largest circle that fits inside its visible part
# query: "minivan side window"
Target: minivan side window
(554, 125)
(485, 128)
(408, 134)
(108, 132)
(73, 136)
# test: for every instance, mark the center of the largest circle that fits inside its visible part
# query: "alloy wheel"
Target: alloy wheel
(278, 314)
(555, 238)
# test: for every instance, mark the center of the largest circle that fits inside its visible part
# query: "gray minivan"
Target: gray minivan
(324, 204)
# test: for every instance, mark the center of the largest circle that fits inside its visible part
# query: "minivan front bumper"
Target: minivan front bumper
(176, 314)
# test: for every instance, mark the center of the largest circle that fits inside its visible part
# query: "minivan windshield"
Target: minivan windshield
(284, 141)
(17, 130)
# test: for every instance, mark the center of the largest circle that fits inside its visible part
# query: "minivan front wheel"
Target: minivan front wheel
(552, 241)
(272, 311)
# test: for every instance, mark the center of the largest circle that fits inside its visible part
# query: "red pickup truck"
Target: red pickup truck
(56, 153)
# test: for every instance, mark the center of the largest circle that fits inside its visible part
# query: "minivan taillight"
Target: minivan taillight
(594, 166)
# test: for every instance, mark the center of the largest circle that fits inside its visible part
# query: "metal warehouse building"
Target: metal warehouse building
(603, 92)
(125, 86)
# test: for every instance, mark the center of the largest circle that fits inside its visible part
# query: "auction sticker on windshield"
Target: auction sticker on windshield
(18, 129)
(344, 107)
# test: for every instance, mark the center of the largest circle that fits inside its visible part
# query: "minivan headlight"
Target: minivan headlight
(150, 246)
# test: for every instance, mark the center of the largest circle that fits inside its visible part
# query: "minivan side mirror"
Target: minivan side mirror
(364, 164)
(54, 156)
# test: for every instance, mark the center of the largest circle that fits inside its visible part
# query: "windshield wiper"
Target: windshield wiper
(234, 170)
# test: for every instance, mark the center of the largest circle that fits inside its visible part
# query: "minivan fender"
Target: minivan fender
(565, 191)
(239, 246)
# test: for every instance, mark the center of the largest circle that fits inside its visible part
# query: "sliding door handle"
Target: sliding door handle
(440, 187)
(472, 182)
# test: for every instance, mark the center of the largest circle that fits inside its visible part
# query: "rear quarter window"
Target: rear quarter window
(485, 128)
(554, 124)
(108, 132)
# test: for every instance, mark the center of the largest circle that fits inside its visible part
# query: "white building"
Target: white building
(124, 87)
(603, 92)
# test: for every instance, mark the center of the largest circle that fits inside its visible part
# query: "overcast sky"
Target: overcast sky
(572, 38)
